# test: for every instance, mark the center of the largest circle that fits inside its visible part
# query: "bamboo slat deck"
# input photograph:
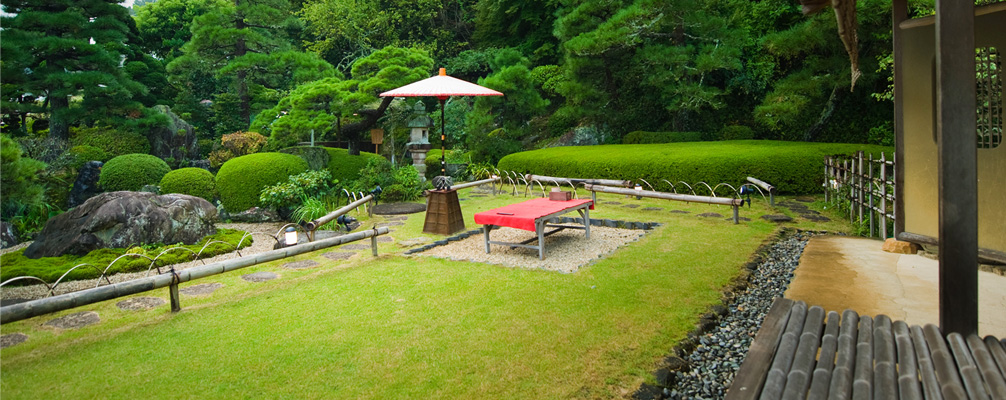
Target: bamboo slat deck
(802, 353)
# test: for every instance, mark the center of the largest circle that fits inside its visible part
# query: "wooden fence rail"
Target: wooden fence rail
(867, 184)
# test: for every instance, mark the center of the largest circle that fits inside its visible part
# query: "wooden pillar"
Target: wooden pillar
(958, 169)
(899, 14)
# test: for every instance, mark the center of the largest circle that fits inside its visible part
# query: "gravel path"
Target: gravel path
(565, 251)
(261, 243)
(717, 357)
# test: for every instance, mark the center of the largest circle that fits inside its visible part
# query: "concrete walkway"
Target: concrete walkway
(838, 273)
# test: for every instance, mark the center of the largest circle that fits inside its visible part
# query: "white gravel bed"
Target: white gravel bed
(260, 244)
(565, 251)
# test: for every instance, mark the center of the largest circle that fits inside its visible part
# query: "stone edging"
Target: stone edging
(560, 220)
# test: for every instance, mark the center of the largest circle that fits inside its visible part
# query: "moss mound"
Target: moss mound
(792, 167)
(131, 172)
(191, 181)
(240, 180)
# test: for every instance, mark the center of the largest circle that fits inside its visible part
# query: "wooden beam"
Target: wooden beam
(900, 14)
(958, 168)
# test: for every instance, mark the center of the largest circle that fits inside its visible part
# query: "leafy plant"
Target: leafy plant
(22, 188)
(312, 208)
(236, 144)
(399, 184)
(297, 188)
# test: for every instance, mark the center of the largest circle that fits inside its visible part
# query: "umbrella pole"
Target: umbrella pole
(443, 138)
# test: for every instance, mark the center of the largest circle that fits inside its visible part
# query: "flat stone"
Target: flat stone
(680, 212)
(711, 215)
(745, 219)
(398, 208)
(355, 246)
(892, 245)
(12, 339)
(393, 223)
(614, 203)
(140, 303)
(776, 218)
(326, 234)
(260, 276)
(75, 320)
(631, 206)
(200, 289)
(385, 239)
(397, 218)
(652, 209)
(815, 217)
(338, 255)
(413, 242)
(302, 264)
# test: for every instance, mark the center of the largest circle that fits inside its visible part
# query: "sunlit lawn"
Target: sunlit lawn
(408, 326)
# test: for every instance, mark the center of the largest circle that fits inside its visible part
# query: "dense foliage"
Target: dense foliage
(114, 142)
(297, 189)
(398, 184)
(236, 144)
(132, 172)
(191, 181)
(793, 168)
(240, 180)
(21, 187)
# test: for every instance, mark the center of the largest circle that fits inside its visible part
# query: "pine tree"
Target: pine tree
(57, 50)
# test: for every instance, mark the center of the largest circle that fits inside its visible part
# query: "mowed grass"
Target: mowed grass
(409, 327)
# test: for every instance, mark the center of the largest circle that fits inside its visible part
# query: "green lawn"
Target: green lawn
(409, 327)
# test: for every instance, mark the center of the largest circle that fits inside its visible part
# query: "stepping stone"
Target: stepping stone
(815, 217)
(397, 218)
(614, 203)
(711, 215)
(680, 212)
(652, 209)
(394, 223)
(326, 234)
(776, 218)
(201, 289)
(338, 255)
(260, 276)
(302, 264)
(140, 303)
(75, 320)
(385, 239)
(745, 219)
(12, 339)
(398, 208)
(355, 246)
(631, 206)
(413, 242)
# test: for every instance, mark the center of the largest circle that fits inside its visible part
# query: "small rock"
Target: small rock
(892, 245)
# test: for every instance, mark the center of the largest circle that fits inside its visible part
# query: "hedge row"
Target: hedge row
(792, 167)
(343, 166)
(643, 137)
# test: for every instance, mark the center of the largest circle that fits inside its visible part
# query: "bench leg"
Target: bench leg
(540, 229)
(486, 229)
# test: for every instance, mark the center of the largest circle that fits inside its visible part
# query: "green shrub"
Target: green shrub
(236, 144)
(642, 137)
(113, 141)
(84, 153)
(241, 180)
(205, 147)
(736, 132)
(131, 172)
(22, 187)
(398, 184)
(792, 167)
(453, 157)
(191, 181)
(50, 269)
(297, 189)
(342, 166)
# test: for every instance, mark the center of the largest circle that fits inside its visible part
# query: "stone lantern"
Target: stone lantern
(419, 137)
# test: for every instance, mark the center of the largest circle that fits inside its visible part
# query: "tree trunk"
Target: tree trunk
(240, 49)
(59, 127)
(822, 121)
(353, 133)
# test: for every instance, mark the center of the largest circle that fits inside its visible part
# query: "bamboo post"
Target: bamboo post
(827, 179)
(859, 180)
(870, 195)
(176, 303)
(883, 196)
(849, 180)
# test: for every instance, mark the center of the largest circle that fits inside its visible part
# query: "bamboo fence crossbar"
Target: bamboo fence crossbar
(867, 185)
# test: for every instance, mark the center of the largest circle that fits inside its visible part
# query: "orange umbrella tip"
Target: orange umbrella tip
(443, 72)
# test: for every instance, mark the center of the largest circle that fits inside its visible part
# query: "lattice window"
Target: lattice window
(990, 97)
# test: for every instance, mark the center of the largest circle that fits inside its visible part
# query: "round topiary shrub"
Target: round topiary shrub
(191, 181)
(241, 180)
(131, 172)
(85, 153)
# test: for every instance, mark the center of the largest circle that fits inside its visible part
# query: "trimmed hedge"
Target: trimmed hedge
(191, 181)
(114, 142)
(343, 166)
(131, 172)
(641, 137)
(792, 167)
(241, 180)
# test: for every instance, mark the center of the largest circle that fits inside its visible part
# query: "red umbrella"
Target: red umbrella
(441, 87)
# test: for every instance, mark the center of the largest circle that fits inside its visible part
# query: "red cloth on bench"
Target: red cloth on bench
(524, 213)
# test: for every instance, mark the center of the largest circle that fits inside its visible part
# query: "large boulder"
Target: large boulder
(125, 219)
(86, 185)
(176, 140)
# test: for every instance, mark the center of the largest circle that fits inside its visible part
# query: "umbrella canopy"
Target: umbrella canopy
(441, 87)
